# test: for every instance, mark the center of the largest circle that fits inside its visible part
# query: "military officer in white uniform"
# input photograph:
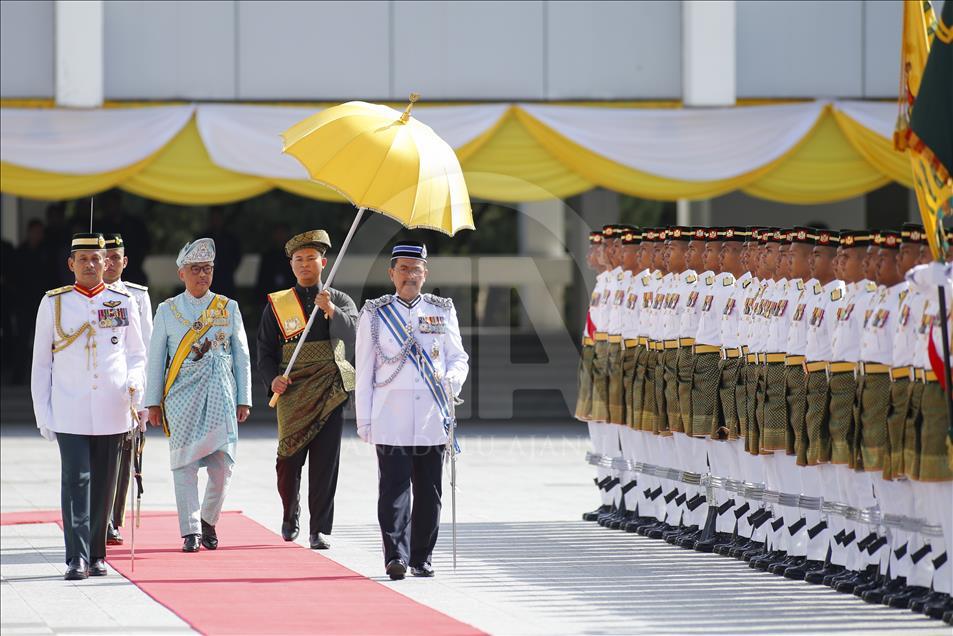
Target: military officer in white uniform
(87, 384)
(410, 365)
(116, 262)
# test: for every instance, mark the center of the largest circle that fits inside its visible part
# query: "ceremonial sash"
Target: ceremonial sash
(288, 312)
(182, 352)
(421, 360)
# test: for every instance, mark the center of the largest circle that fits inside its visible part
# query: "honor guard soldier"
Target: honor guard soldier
(926, 456)
(628, 437)
(310, 411)
(410, 364)
(116, 262)
(595, 262)
(86, 382)
(199, 390)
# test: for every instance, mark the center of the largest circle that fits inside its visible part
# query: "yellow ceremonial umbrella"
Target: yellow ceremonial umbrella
(385, 161)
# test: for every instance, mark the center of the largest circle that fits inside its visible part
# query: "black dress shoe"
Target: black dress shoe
(636, 523)
(290, 527)
(396, 569)
(817, 576)
(98, 567)
(902, 599)
(318, 541)
(933, 598)
(943, 611)
(209, 538)
(877, 593)
(191, 542)
(112, 535)
(797, 573)
(425, 570)
(594, 515)
(76, 570)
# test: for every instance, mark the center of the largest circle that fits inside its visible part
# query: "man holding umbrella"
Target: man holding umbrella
(410, 364)
(313, 397)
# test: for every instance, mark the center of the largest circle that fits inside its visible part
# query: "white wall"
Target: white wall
(26, 49)
(537, 49)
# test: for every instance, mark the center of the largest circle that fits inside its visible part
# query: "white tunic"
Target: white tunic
(403, 412)
(83, 388)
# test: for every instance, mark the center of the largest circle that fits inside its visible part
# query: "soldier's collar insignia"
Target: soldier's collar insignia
(836, 294)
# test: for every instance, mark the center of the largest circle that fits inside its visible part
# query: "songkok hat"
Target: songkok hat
(114, 241)
(318, 239)
(680, 233)
(410, 249)
(88, 241)
(595, 237)
(734, 234)
(827, 238)
(855, 238)
(888, 239)
(632, 237)
(700, 234)
(806, 235)
(198, 251)
(913, 233)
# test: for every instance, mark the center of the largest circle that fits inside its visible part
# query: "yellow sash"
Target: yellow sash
(182, 352)
(288, 312)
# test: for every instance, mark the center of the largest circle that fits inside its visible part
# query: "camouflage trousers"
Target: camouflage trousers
(934, 450)
(900, 391)
(870, 441)
(817, 419)
(584, 398)
(600, 383)
(797, 406)
(705, 380)
(842, 424)
(615, 392)
(774, 410)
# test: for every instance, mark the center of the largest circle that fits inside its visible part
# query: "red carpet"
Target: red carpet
(255, 583)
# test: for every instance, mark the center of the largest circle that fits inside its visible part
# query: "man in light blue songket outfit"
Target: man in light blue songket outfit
(199, 389)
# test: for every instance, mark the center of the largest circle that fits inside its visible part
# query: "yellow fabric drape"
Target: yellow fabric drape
(182, 173)
(877, 150)
(824, 168)
(517, 159)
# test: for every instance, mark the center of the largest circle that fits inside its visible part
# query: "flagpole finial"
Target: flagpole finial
(413, 100)
(91, 199)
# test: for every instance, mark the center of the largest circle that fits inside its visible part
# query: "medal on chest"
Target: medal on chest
(113, 317)
(781, 308)
(692, 299)
(435, 350)
(706, 305)
(729, 307)
(631, 300)
(817, 317)
(799, 313)
(432, 324)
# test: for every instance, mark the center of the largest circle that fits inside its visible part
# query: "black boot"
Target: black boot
(289, 525)
(191, 542)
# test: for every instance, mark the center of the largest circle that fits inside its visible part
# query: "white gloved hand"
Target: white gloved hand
(364, 432)
(143, 420)
(933, 274)
(47, 434)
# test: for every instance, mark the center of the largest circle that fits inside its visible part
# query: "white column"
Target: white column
(708, 73)
(79, 53)
(542, 232)
(708, 52)
(9, 219)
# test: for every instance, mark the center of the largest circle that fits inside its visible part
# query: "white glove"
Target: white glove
(933, 274)
(364, 432)
(143, 420)
(47, 434)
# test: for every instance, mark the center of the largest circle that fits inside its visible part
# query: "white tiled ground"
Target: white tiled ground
(527, 565)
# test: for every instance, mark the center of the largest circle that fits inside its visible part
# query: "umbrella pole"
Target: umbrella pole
(314, 312)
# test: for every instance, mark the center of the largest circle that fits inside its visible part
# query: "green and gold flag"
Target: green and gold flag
(925, 121)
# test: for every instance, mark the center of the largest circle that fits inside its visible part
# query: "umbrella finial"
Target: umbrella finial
(413, 100)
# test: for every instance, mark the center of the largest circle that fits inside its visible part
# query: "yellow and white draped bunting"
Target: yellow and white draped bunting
(804, 152)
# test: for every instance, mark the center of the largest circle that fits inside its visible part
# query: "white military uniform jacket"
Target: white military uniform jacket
(393, 405)
(85, 361)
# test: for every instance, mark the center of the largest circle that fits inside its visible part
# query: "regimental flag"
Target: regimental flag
(924, 125)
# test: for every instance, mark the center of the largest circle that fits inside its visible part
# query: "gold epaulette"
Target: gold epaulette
(59, 290)
(119, 291)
